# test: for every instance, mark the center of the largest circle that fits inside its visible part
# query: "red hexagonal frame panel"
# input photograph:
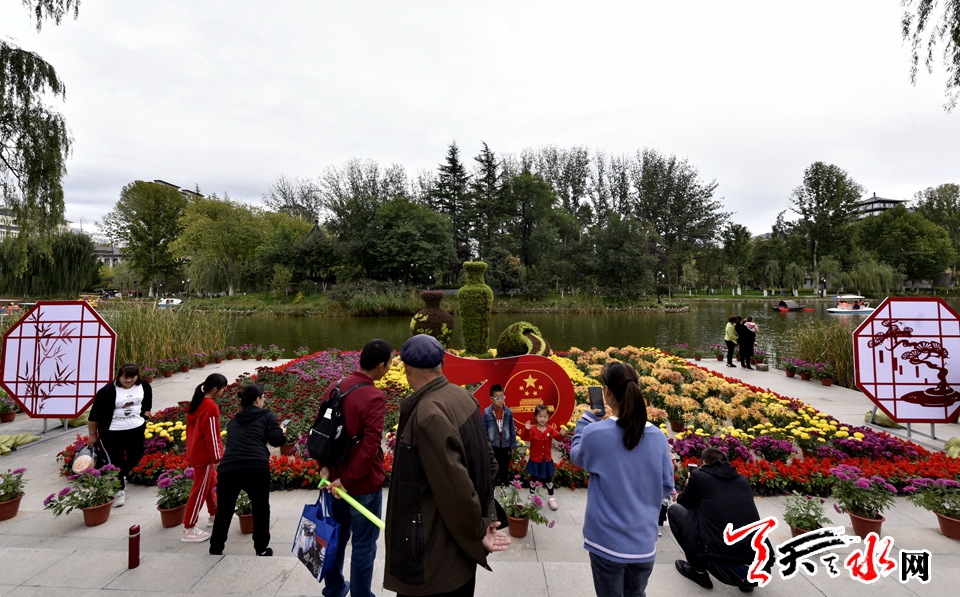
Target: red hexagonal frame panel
(903, 353)
(56, 358)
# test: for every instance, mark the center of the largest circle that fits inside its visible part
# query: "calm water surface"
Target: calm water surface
(702, 326)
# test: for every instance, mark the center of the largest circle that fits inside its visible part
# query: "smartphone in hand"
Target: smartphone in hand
(286, 422)
(596, 398)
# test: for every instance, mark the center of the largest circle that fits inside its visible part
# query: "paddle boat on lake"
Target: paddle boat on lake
(851, 304)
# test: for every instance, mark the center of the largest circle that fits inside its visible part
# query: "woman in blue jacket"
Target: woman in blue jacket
(631, 472)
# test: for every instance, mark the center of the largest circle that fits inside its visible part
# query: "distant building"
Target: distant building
(10, 228)
(874, 206)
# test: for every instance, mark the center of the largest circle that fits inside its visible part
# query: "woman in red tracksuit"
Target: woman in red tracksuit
(204, 451)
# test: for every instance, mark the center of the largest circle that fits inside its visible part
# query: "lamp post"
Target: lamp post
(186, 284)
(659, 277)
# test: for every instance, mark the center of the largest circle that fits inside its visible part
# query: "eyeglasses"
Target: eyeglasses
(498, 398)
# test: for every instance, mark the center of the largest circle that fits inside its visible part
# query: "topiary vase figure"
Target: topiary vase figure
(433, 320)
(476, 304)
(522, 338)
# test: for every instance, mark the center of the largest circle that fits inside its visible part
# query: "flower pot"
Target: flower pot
(805, 376)
(720, 357)
(148, 379)
(218, 359)
(518, 526)
(97, 515)
(697, 357)
(8, 417)
(273, 358)
(950, 527)
(795, 532)
(826, 381)
(790, 373)
(676, 426)
(168, 373)
(201, 364)
(172, 517)
(286, 449)
(244, 357)
(185, 369)
(9, 508)
(230, 357)
(246, 523)
(864, 526)
(259, 357)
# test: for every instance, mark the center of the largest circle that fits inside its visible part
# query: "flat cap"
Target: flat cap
(422, 351)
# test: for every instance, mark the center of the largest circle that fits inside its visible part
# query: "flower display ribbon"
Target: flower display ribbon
(346, 497)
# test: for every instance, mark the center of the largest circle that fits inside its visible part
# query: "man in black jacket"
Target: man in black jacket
(715, 495)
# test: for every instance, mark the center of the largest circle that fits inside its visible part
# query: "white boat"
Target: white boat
(851, 304)
(169, 302)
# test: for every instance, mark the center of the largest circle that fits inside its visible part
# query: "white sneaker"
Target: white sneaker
(118, 499)
(194, 535)
(552, 502)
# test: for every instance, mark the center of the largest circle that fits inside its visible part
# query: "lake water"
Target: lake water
(702, 326)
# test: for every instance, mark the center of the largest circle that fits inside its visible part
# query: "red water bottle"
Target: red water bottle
(133, 547)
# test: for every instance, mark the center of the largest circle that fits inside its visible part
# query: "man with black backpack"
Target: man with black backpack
(361, 474)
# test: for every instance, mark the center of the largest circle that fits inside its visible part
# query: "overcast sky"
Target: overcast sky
(229, 95)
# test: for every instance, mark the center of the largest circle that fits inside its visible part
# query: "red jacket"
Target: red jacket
(204, 445)
(541, 448)
(362, 472)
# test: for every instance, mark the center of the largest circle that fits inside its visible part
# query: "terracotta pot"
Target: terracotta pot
(826, 381)
(148, 379)
(246, 523)
(697, 357)
(676, 426)
(259, 357)
(9, 508)
(950, 527)
(97, 515)
(244, 356)
(185, 369)
(805, 376)
(864, 526)
(790, 373)
(168, 373)
(518, 526)
(172, 517)
(272, 358)
(201, 364)
(286, 449)
(217, 359)
(8, 417)
(795, 532)
(720, 357)
(230, 357)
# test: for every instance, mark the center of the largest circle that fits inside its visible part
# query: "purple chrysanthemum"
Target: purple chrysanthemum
(19, 471)
(64, 492)
(49, 499)
(862, 483)
(189, 473)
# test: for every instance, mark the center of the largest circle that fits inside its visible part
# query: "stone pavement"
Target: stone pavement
(42, 555)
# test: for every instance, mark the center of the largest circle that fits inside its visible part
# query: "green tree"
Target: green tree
(413, 242)
(145, 221)
(908, 242)
(825, 202)
(35, 140)
(295, 197)
(679, 206)
(505, 271)
(490, 210)
(532, 200)
(221, 233)
(283, 233)
(737, 250)
(319, 257)
(624, 265)
(65, 268)
(941, 205)
(452, 197)
(282, 276)
(922, 26)
(793, 277)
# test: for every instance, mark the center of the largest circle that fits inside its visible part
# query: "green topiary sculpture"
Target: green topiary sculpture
(476, 303)
(433, 320)
(522, 338)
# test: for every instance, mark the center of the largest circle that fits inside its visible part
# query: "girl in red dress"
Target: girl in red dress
(540, 467)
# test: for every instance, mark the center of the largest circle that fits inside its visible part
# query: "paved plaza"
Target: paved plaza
(44, 555)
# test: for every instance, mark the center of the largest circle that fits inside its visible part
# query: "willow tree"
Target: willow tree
(927, 23)
(34, 138)
(69, 268)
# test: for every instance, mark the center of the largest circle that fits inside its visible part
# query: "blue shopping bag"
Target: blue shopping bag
(317, 537)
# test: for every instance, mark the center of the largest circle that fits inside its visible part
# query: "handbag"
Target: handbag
(317, 536)
(92, 456)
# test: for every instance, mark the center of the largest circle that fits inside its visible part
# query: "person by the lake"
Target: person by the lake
(204, 451)
(362, 474)
(751, 325)
(118, 419)
(540, 465)
(246, 467)
(746, 340)
(441, 519)
(730, 339)
(501, 431)
(631, 473)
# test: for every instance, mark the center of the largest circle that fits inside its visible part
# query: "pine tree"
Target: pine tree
(452, 197)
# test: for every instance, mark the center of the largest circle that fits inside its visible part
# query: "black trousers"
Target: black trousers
(503, 464)
(464, 591)
(730, 348)
(125, 449)
(256, 482)
(681, 522)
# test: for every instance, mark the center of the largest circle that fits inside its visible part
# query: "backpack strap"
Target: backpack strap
(356, 438)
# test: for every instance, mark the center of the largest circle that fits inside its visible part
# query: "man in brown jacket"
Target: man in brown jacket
(441, 518)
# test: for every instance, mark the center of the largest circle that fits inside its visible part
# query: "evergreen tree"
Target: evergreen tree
(490, 212)
(452, 196)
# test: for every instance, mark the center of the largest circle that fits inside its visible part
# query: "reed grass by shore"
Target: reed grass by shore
(818, 341)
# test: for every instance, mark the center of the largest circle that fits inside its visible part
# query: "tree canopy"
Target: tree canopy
(927, 23)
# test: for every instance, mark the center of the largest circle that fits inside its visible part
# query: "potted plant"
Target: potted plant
(148, 373)
(218, 355)
(295, 430)
(804, 513)
(940, 496)
(677, 408)
(521, 512)
(804, 369)
(166, 366)
(201, 358)
(259, 352)
(8, 408)
(301, 352)
(718, 351)
(863, 498)
(11, 492)
(789, 365)
(245, 513)
(230, 352)
(698, 353)
(244, 351)
(93, 492)
(273, 352)
(824, 372)
(758, 356)
(173, 491)
(183, 363)
(772, 449)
